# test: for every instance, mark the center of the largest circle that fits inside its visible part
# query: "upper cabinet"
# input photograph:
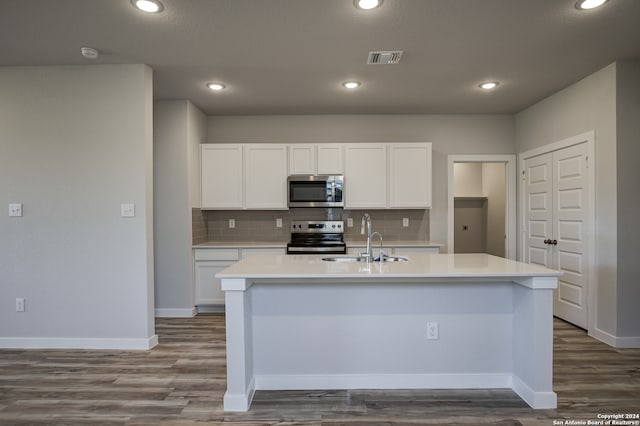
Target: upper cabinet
(249, 176)
(396, 175)
(265, 171)
(365, 180)
(410, 175)
(316, 159)
(377, 175)
(221, 175)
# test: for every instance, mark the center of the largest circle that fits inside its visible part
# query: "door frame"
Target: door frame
(510, 197)
(589, 139)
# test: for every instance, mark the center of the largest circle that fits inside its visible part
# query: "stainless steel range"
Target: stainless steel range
(317, 237)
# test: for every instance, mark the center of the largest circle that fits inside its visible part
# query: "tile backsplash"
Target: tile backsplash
(260, 225)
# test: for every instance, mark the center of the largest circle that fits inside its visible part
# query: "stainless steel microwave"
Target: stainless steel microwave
(316, 191)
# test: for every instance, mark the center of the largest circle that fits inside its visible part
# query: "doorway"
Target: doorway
(482, 204)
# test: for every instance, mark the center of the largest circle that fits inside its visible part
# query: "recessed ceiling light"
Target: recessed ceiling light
(351, 84)
(367, 4)
(150, 6)
(216, 86)
(488, 85)
(589, 4)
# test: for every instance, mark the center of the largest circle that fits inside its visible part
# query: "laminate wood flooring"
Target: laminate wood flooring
(182, 380)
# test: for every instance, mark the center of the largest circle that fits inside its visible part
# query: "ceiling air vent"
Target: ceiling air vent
(384, 57)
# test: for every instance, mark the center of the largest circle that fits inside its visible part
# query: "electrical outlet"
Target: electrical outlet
(19, 304)
(350, 222)
(127, 210)
(15, 210)
(405, 222)
(432, 331)
(279, 222)
(232, 223)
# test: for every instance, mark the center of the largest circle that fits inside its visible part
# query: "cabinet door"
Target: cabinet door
(208, 287)
(410, 175)
(265, 168)
(302, 159)
(365, 176)
(330, 159)
(221, 176)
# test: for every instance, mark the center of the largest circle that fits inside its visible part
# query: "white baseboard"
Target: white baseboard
(239, 402)
(615, 341)
(381, 381)
(175, 313)
(537, 400)
(77, 343)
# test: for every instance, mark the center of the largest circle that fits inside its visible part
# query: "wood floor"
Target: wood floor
(182, 380)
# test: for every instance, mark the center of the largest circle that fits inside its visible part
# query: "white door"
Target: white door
(557, 202)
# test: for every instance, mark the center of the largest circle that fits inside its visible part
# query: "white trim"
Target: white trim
(510, 200)
(381, 381)
(239, 402)
(77, 343)
(537, 400)
(617, 342)
(175, 313)
(592, 284)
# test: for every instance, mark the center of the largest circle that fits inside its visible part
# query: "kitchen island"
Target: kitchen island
(437, 321)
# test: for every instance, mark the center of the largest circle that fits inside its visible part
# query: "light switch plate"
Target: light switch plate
(15, 210)
(127, 210)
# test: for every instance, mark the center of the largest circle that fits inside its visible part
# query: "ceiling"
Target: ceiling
(291, 56)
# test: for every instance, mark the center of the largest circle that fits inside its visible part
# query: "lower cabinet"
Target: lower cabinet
(209, 261)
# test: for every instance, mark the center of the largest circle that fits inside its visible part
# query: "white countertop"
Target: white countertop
(418, 266)
(275, 244)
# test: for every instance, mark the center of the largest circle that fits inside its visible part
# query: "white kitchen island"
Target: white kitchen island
(298, 322)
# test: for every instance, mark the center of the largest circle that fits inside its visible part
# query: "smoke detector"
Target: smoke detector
(384, 57)
(90, 52)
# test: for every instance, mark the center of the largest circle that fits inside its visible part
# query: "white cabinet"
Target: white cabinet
(246, 252)
(302, 159)
(410, 175)
(207, 263)
(265, 168)
(316, 159)
(329, 159)
(396, 175)
(221, 176)
(249, 176)
(365, 176)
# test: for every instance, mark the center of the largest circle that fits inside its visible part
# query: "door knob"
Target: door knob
(554, 242)
(547, 241)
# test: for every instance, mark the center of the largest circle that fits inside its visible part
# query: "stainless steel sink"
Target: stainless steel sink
(364, 259)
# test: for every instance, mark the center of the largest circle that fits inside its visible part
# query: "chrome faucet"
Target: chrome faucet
(366, 223)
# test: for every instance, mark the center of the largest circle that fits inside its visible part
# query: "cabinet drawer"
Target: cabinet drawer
(216, 254)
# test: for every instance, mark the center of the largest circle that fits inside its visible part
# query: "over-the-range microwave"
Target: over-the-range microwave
(315, 191)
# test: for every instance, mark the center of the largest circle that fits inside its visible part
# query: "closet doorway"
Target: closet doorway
(481, 204)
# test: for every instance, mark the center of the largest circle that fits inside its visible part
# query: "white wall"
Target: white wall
(628, 176)
(75, 143)
(589, 104)
(179, 128)
(450, 134)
